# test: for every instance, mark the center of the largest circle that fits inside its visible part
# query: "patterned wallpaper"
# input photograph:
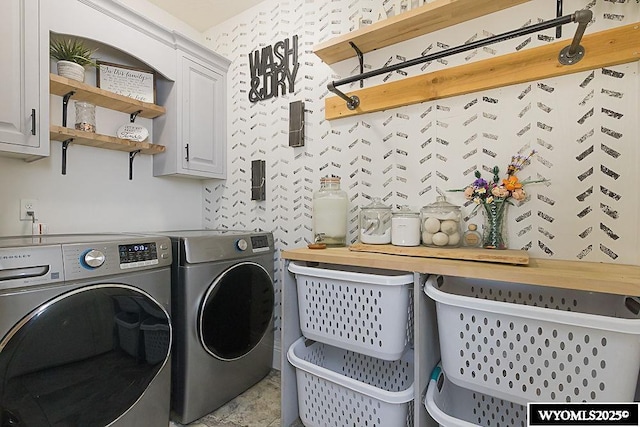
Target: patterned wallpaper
(584, 127)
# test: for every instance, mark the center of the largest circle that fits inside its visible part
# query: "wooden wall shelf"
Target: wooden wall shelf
(603, 49)
(417, 22)
(59, 133)
(83, 92)
(579, 275)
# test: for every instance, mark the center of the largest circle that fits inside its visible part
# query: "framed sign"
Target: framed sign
(133, 82)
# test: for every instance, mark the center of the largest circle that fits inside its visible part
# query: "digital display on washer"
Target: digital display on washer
(138, 253)
(259, 242)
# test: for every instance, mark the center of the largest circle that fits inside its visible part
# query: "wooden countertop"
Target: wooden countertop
(586, 276)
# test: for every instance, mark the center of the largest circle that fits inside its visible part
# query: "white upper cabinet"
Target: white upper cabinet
(196, 141)
(203, 125)
(24, 78)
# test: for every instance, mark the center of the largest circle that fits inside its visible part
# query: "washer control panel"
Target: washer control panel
(100, 258)
(198, 246)
(138, 255)
(260, 243)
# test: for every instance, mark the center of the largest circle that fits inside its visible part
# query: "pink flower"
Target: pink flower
(500, 192)
(468, 193)
(519, 194)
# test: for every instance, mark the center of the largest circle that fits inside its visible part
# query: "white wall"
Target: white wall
(163, 18)
(96, 195)
(583, 126)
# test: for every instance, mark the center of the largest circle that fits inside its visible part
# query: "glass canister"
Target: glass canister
(441, 224)
(85, 116)
(330, 205)
(405, 227)
(375, 223)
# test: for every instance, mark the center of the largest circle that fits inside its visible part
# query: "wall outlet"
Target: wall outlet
(27, 205)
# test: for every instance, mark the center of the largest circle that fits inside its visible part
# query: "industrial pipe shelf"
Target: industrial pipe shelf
(602, 49)
(422, 20)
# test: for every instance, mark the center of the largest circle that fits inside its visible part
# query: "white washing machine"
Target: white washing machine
(85, 331)
(222, 306)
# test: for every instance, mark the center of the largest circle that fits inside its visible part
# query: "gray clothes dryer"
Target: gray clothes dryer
(85, 332)
(222, 304)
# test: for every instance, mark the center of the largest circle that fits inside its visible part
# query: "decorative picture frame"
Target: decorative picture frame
(136, 83)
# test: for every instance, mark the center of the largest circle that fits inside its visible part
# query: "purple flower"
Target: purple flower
(480, 183)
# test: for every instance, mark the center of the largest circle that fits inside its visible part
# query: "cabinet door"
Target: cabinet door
(203, 119)
(21, 79)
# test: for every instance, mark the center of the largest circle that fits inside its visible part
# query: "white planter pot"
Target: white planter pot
(71, 70)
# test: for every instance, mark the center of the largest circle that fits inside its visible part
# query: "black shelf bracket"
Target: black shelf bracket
(360, 60)
(133, 115)
(65, 145)
(65, 104)
(568, 56)
(559, 14)
(132, 155)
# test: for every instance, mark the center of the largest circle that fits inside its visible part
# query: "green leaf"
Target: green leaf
(74, 50)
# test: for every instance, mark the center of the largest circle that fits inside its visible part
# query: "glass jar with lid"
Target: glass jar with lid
(441, 224)
(375, 223)
(330, 204)
(405, 227)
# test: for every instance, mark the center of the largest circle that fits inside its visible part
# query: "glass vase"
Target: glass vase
(85, 117)
(494, 232)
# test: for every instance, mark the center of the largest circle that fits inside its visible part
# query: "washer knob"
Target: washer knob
(242, 244)
(93, 258)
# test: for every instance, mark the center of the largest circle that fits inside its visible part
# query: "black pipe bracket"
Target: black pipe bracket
(573, 53)
(352, 101)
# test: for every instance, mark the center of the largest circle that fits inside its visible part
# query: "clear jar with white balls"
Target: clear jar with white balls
(440, 226)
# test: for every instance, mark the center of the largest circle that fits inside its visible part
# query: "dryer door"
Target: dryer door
(236, 311)
(83, 358)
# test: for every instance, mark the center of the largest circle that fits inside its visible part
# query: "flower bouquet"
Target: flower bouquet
(494, 197)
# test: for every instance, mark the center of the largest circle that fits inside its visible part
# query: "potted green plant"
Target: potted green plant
(72, 56)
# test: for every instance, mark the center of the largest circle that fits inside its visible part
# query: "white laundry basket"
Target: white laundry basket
(453, 406)
(367, 311)
(528, 343)
(340, 388)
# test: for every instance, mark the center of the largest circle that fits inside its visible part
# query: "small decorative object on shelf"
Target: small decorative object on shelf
(72, 56)
(133, 132)
(494, 197)
(85, 117)
(128, 81)
(472, 238)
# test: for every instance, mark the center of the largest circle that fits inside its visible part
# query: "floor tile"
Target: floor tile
(257, 407)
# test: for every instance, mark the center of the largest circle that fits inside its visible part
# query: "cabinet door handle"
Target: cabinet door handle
(186, 148)
(33, 121)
